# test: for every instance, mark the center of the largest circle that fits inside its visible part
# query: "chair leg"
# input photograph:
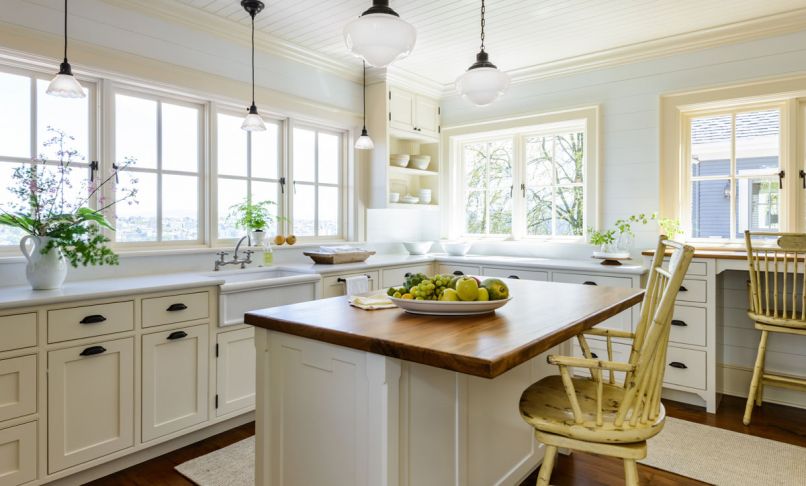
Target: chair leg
(760, 393)
(630, 472)
(544, 475)
(758, 370)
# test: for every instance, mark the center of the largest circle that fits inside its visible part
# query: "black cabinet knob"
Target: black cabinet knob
(683, 289)
(678, 365)
(93, 350)
(594, 355)
(588, 282)
(679, 323)
(177, 335)
(458, 272)
(93, 319)
(176, 307)
(408, 274)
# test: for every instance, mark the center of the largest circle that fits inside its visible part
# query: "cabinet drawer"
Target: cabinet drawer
(18, 331)
(685, 367)
(689, 325)
(18, 454)
(334, 286)
(395, 277)
(592, 280)
(694, 268)
(515, 273)
(90, 320)
(175, 308)
(692, 291)
(17, 387)
(450, 269)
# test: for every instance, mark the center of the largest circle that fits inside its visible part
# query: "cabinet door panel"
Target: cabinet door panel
(90, 402)
(175, 380)
(235, 371)
(17, 387)
(18, 454)
(426, 115)
(401, 107)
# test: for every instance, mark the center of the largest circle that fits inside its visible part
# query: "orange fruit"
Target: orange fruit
(279, 240)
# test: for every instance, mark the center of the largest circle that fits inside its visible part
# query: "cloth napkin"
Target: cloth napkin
(371, 302)
(358, 284)
(338, 249)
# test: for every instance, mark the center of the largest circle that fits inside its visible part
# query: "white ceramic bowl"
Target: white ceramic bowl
(394, 197)
(417, 247)
(400, 160)
(456, 248)
(409, 199)
(420, 161)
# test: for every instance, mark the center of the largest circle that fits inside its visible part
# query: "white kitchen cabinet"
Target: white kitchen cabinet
(90, 402)
(451, 269)
(18, 382)
(175, 380)
(18, 454)
(395, 277)
(235, 370)
(413, 113)
(334, 285)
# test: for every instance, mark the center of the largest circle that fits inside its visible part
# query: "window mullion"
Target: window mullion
(734, 230)
(159, 170)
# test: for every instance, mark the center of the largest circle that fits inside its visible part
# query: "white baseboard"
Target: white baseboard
(736, 382)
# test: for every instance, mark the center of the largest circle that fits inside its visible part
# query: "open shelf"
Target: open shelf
(412, 172)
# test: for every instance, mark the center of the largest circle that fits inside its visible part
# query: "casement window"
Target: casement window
(529, 183)
(164, 137)
(316, 182)
(29, 123)
(248, 167)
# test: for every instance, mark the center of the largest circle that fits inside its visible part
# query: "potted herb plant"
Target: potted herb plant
(253, 217)
(59, 223)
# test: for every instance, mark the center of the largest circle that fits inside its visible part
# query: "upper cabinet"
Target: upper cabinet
(414, 114)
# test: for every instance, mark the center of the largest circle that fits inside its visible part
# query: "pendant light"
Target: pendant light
(253, 121)
(364, 142)
(65, 85)
(483, 82)
(379, 35)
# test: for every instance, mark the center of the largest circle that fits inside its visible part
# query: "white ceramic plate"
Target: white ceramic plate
(450, 308)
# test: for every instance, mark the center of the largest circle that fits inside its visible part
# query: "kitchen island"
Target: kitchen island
(353, 397)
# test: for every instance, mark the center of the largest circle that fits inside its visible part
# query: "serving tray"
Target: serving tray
(335, 258)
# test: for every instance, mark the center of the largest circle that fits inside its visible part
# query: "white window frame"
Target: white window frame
(113, 89)
(518, 129)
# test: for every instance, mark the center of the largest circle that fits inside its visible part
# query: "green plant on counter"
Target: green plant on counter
(624, 226)
(252, 216)
(601, 238)
(670, 227)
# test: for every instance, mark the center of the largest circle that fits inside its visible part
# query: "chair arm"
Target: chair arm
(590, 363)
(609, 332)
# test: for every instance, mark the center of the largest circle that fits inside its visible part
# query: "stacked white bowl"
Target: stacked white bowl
(425, 196)
(400, 160)
(420, 161)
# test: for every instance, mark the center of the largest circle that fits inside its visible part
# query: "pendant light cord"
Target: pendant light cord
(482, 25)
(65, 30)
(253, 58)
(365, 93)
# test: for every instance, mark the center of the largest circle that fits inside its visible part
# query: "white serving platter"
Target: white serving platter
(449, 308)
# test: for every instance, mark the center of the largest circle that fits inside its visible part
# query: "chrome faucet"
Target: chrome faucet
(235, 260)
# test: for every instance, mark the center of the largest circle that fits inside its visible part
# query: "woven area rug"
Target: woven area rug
(696, 451)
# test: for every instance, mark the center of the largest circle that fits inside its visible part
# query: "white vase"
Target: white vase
(44, 271)
(257, 237)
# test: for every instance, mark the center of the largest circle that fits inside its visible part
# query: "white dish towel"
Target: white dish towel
(358, 284)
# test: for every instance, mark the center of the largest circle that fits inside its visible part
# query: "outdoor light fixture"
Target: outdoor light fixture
(65, 85)
(253, 121)
(379, 35)
(483, 82)
(364, 142)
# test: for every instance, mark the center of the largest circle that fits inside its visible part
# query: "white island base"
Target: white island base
(329, 415)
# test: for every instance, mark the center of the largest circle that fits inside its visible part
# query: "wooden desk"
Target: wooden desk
(353, 397)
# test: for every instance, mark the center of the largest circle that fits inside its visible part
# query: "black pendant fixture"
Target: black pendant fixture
(65, 85)
(253, 120)
(364, 142)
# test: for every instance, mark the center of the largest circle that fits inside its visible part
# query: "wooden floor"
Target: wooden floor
(774, 422)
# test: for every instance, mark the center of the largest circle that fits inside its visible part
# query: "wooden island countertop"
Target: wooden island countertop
(539, 316)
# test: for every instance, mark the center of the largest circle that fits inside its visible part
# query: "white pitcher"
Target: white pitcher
(44, 271)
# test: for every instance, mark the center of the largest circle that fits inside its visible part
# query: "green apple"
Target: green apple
(497, 289)
(483, 294)
(467, 288)
(449, 295)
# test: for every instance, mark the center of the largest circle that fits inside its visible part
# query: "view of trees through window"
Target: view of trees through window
(488, 167)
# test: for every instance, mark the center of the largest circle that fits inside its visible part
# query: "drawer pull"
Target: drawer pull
(458, 272)
(177, 335)
(176, 307)
(408, 274)
(594, 356)
(683, 289)
(678, 364)
(679, 323)
(93, 350)
(93, 319)
(342, 280)
(514, 276)
(588, 282)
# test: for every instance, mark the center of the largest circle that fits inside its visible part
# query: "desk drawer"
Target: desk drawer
(601, 280)
(685, 367)
(18, 331)
(689, 325)
(692, 291)
(175, 308)
(91, 320)
(694, 268)
(17, 387)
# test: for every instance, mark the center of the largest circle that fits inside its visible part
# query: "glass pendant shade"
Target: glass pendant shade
(253, 121)
(364, 142)
(65, 86)
(380, 36)
(483, 82)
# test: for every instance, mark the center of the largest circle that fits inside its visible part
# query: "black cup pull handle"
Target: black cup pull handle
(408, 274)
(177, 335)
(458, 272)
(93, 350)
(176, 307)
(588, 282)
(678, 364)
(679, 323)
(594, 356)
(514, 276)
(683, 289)
(93, 319)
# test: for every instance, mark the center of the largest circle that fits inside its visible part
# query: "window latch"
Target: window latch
(523, 190)
(94, 168)
(781, 176)
(282, 185)
(802, 175)
(116, 169)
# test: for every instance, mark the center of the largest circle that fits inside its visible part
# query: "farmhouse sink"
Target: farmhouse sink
(260, 288)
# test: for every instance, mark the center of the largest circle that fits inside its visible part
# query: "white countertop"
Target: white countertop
(20, 296)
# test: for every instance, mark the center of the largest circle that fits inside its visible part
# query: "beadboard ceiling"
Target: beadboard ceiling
(522, 35)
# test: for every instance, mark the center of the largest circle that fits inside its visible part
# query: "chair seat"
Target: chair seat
(545, 406)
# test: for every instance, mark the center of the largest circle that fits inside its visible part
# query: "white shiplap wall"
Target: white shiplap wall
(629, 98)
